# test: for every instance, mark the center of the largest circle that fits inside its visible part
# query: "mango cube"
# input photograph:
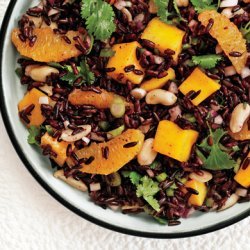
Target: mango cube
(156, 83)
(125, 55)
(243, 175)
(32, 97)
(164, 36)
(173, 141)
(60, 148)
(200, 187)
(199, 81)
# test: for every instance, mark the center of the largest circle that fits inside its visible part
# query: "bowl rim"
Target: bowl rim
(61, 200)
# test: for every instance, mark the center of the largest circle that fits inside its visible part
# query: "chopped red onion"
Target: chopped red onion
(218, 120)
(241, 192)
(95, 187)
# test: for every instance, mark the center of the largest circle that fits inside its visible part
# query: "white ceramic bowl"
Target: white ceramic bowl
(11, 92)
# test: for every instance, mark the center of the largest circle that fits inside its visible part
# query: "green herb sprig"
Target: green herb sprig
(99, 17)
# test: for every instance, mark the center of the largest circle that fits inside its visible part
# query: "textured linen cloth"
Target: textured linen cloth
(31, 219)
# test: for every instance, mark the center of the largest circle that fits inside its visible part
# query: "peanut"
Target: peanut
(239, 115)
(161, 96)
(71, 181)
(147, 154)
(204, 176)
(138, 93)
(40, 73)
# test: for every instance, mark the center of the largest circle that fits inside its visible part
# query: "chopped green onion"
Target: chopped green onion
(237, 165)
(209, 202)
(104, 125)
(117, 131)
(118, 108)
(186, 46)
(173, 186)
(49, 129)
(114, 180)
(154, 164)
(236, 148)
(170, 192)
(161, 177)
(189, 117)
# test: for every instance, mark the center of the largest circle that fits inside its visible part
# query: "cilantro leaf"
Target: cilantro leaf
(107, 52)
(135, 178)
(84, 72)
(206, 61)
(87, 75)
(178, 11)
(201, 5)
(217, 159)
(70, 77)
(246, 31)
(99, 17)
(33, 133)
(147, 189)
(152, 202)
(162, 10)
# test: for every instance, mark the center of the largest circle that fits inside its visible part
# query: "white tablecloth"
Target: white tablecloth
(31, 219)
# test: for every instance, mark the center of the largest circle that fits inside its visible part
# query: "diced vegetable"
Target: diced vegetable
(243, 175)
(166, 141)
(114, 180)
(125, 55)
(164, 36)
(117, 131)
(117, 107)
(199, 81)
(200, 187)
(161, 177)
(60, 148)
(32, 97)
(170, 192)
(157, 83)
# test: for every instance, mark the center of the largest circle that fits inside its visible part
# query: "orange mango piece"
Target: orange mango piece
(60, 148)
(199, 81)
(243, 135)
(197, 200)
(156, 83)
(228, 36)
(243, 175)
(49, 47)
(32, 97)
(122, 149)
(125, 55)
(173, 141)
(101, 100)
(164, 36)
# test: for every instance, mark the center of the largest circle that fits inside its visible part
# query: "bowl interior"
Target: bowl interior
(12, 92)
